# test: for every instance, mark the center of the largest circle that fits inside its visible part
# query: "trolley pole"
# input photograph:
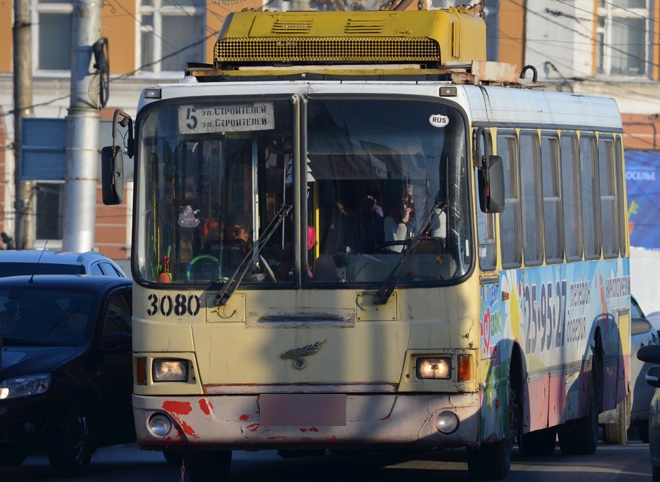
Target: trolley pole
(82, 145)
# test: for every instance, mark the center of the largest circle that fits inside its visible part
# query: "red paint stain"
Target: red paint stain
(253, 427)
(205, 406)
(181, 408)
(244, 418)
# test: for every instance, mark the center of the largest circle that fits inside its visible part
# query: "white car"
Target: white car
(634, 410)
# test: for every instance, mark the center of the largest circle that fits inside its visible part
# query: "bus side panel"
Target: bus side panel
(554, 313)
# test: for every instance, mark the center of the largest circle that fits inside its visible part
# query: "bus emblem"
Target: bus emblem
(298, 354)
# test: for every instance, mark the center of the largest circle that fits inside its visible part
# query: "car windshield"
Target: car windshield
(20, 269)
(45, 317)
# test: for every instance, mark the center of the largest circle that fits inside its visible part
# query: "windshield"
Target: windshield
(45, 317)
(215, 179)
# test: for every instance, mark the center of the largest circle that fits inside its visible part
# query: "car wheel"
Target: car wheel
(644, 432)
(617, 433)
(580, 437)
(202, 466)
(72, 455)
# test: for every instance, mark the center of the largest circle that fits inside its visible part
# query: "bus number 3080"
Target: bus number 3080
(179, 305)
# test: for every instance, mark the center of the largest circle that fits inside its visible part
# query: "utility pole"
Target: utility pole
(82, 143)
(23, 207)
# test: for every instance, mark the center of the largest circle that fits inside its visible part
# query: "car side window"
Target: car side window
(635, 310)
(117, 315)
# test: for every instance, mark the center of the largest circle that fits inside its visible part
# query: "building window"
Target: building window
(50, 206)
(52, 35)
(622, 37)
(170, 34)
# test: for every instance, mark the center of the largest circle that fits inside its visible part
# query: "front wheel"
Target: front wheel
(203, 466)
(580, 437)
(72, 455)
(490, 461)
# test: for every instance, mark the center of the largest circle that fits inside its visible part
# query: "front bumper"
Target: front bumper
(234, 422)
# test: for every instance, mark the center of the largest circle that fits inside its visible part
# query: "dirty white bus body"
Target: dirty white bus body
(350, 257)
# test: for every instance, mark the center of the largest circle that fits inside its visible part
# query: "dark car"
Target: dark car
(66, 378)
(28, 262)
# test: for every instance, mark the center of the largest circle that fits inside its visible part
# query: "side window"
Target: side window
(552, 218)
(486, 221)
(510, 219)
(117, 315)
(621, 199)
(52, 29)
(570, 179)
(590, 205)
(608, 194)
(531, 198)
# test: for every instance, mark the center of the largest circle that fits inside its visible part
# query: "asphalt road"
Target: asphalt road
(629, 463)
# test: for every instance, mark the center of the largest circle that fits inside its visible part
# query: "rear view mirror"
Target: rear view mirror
(112, 160)
(112, 175)
(491, 184)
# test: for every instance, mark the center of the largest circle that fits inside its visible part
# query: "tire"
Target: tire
(644, 432)
(492, 461)
(204, 466)
(72, 455)
(617, 433)
(539, 443)
(581, 436)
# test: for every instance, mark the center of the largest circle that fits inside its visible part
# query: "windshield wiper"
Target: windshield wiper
(387, 288)
(237, 276)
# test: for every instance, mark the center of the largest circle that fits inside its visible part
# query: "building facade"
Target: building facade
(596, 47)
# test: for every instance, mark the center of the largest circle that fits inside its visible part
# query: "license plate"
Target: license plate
(316, 409)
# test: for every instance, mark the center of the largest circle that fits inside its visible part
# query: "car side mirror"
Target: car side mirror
(653, 376)
(649, 354)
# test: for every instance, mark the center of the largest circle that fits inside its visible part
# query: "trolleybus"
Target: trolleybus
(353, 232)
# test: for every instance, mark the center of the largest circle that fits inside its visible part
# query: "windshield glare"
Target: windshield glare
(45, 317)
(377, 174)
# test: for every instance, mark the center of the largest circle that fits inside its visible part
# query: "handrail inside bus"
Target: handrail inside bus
(239, 273)
(387, 288)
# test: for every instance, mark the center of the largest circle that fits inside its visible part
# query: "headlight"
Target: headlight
(24, 386)
(433, 368)
(170, 370)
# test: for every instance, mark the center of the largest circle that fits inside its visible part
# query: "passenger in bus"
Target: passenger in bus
(400, 224)
(235, 243)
